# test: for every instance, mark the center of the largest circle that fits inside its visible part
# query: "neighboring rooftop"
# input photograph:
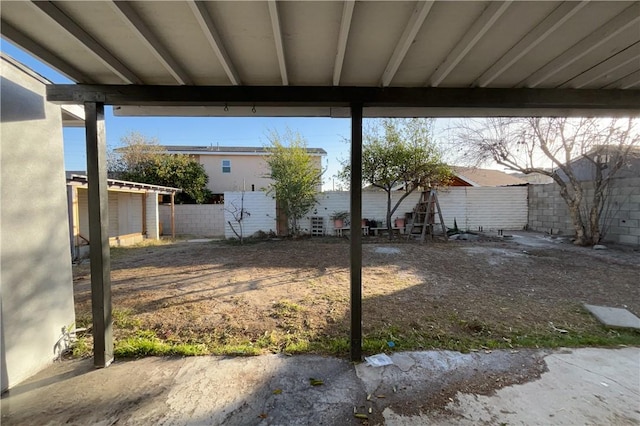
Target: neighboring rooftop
(212, 150)
(486, 177)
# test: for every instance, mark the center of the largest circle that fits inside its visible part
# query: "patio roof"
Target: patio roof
(542, 53)
(323, 58)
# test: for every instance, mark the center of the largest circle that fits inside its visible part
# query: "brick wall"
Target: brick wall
(621, 218)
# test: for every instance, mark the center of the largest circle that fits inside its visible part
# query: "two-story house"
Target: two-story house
(235, 168)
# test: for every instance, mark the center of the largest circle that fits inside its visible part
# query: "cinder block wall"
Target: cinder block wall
(621, 218)
(202, 220)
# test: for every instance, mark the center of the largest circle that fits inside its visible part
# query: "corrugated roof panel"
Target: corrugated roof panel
(178, 30)
(375, 30)
(246, 29)
(310, 33)
(100, 19)
(573, 31)
(617, 44)
(513, 25)
(447, 23)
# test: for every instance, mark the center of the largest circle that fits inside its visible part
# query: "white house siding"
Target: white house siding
(261, 208)
(200, 220)
(36, 287)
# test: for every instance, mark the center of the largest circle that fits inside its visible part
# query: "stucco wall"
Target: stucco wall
(35, 260)
(246, 170)
(549, 213)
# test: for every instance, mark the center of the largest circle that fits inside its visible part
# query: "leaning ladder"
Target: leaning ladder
(424, 214)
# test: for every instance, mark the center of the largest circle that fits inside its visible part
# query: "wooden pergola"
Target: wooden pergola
(335, 59)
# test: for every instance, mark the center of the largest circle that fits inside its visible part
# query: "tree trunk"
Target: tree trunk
(389, 213)
(573, 204)
(594, 215)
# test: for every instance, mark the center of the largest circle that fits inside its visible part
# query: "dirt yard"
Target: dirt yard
(293, 296)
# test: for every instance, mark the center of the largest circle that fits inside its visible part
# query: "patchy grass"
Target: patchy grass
(292, 296)
(146, 343)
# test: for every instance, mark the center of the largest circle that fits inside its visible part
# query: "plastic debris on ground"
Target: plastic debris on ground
(378, 360)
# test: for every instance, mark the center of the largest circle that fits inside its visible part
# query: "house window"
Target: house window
(226, 166)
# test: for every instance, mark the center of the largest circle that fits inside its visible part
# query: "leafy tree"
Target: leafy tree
(577, 149)
(399, 154)
(296, 179)
(143, 160)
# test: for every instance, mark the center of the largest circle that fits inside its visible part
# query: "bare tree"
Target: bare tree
(239, 214)
(578, 150)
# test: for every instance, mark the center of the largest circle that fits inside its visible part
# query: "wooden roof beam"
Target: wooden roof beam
(479, 28)
(148, 38)
(277, 38)
(343, 37)
(595, 101)
(408, 36)
(199, 10)
(626, 19)
(92, 45)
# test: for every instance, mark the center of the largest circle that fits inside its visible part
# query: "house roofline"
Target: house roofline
(228, 150)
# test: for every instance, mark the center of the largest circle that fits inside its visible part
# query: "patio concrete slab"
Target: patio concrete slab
(614, 317)
(585, 386)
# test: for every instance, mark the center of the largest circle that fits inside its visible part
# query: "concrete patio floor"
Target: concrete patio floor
(582, 386)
